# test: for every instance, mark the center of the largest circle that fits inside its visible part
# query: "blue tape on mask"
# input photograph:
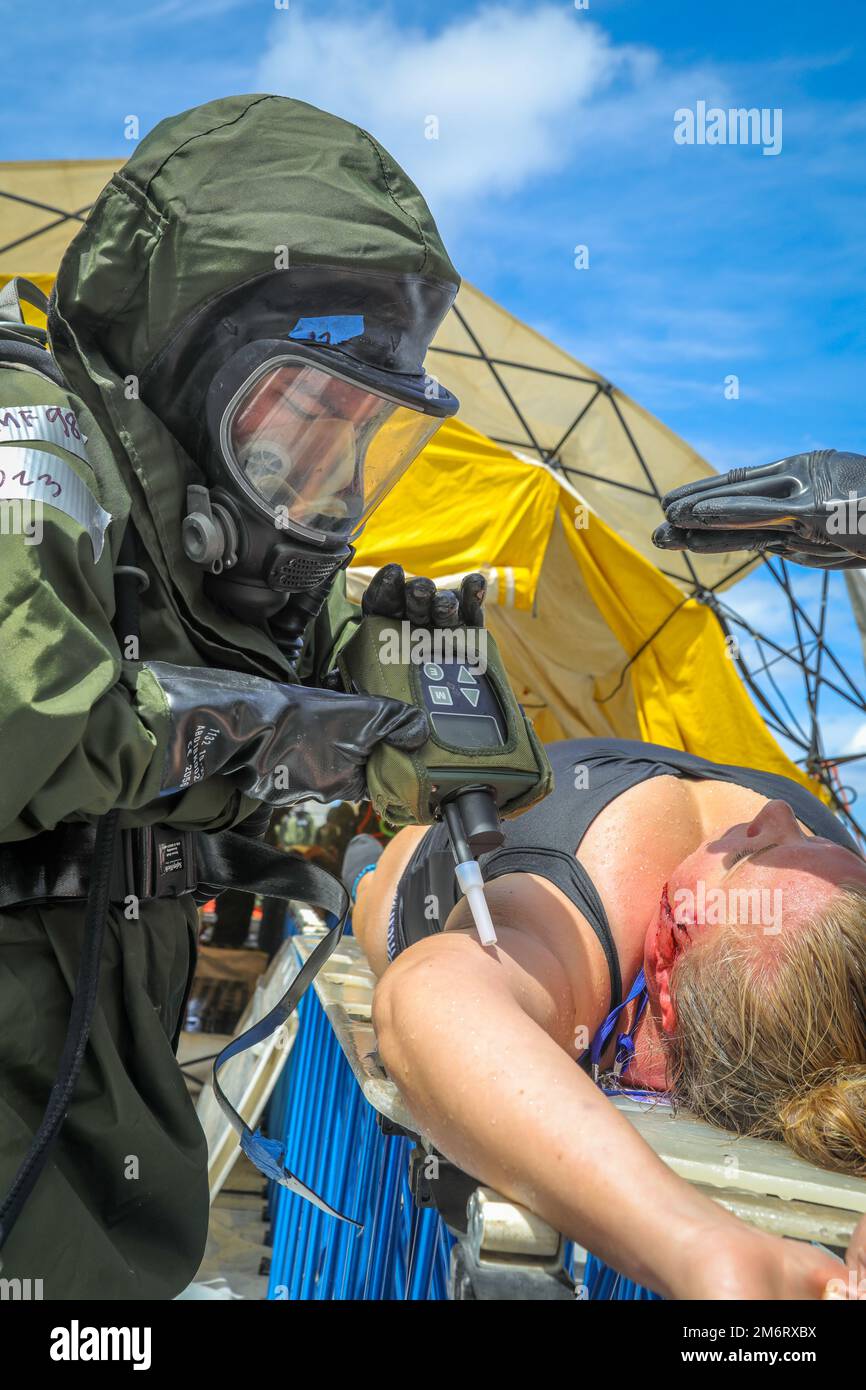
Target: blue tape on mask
(338, 328)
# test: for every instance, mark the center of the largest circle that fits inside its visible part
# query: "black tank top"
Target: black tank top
(589, 774)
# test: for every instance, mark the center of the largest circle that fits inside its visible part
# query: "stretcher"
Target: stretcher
(431, 1231)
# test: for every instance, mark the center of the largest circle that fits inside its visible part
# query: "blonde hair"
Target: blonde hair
(770, 1037)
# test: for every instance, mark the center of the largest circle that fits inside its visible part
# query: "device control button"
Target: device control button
(471, 696)
(440, 695)
(465, 677)
(434, 672)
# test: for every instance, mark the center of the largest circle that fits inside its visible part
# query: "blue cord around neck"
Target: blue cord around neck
(625, 1040)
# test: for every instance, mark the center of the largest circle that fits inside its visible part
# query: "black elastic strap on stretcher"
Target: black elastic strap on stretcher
(231, 860)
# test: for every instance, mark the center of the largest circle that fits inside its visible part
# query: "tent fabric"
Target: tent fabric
(42, 205)
(687, 692)
(470, 505)
(595, 639)
(521, 390)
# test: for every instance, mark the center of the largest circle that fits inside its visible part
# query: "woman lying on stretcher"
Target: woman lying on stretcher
(744, 902)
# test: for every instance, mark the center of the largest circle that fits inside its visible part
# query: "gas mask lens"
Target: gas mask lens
(318, 449)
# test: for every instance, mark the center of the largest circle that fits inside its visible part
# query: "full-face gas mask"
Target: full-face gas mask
(304, 434)
(305, 444)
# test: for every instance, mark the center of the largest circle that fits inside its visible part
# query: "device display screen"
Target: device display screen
(467, 730)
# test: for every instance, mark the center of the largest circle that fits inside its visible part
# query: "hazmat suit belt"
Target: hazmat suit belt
(154, 861)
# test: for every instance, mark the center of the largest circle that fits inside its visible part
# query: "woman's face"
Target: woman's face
(767, 875)
(768, 866)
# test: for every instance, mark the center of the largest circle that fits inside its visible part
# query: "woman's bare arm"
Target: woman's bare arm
(476, 1040)
(375, 895)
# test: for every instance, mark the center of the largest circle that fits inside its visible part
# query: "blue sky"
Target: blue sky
(556, 129)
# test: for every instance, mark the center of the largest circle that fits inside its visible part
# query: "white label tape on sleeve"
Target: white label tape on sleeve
(45, 424)
(43, 478)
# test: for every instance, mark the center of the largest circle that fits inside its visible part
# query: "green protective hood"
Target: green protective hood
(209, 204)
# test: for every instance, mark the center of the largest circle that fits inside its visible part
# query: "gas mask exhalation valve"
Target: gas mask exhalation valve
(209, 534)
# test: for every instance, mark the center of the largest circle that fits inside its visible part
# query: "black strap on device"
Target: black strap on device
(95, 918)
(232, 860)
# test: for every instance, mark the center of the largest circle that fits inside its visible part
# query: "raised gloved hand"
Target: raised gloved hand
(278, 743)
(808, 508)
(390, 595)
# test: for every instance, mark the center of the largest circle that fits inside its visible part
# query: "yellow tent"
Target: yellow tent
(549, 483)
(596, 639)
(42, 203)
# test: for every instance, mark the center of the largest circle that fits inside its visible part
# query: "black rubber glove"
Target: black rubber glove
(278, 743)
(807, 508)
(390, 595)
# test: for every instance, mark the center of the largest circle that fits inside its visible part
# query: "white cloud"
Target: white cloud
(844, 733)
(506, 87)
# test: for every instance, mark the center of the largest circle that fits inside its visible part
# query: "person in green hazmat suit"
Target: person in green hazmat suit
(236, 378)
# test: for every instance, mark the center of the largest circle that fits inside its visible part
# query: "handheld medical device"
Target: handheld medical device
(482, 760)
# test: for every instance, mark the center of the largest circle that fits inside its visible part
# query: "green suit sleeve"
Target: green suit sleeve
(81, 731)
